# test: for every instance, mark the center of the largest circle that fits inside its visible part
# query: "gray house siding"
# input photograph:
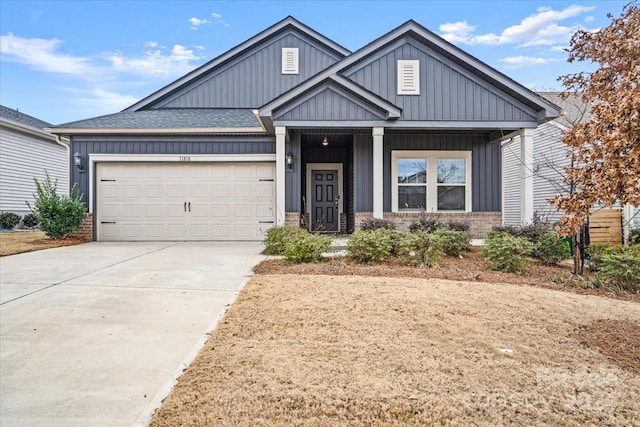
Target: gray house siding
(328, 104)
(485, 164)
(255, 77)
(512, 183)
(363, 173)
(447, 92)
(23, 157)
(293, 178)
(163, 145)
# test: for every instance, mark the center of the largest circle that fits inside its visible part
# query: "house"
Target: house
(27, 151)
(291, 127)
(549, 158)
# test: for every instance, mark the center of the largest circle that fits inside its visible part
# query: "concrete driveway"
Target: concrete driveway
(94, 334)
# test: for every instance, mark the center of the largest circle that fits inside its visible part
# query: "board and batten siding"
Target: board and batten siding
(549, 160)
(164, 145)
(328, 104)
(447, 91)
(23, 157)
(485, 164)
(255, 77)
(363, 173)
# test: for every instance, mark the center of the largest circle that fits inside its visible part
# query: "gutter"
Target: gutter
(168, 131)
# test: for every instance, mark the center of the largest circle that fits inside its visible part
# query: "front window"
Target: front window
(431, 181)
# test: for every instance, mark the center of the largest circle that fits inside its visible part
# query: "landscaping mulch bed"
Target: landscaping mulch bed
(619, 340)
(470, 267)
(17, 242)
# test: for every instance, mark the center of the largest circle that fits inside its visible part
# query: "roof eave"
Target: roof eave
(166, 131)
(41, 133)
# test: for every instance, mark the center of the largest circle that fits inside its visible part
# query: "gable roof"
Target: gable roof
(169, 120)
(16, 116)
(288, 22)
(573, 109)
(545, 109)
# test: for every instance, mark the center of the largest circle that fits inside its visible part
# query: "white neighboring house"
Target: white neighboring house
(27, 151)
(549, 160)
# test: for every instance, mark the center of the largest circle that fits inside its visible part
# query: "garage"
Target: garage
(184, 201)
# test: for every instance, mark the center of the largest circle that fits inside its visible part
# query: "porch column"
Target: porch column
(378, 181)
(281, 134)
(526, 158)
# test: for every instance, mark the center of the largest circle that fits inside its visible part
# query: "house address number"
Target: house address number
(185, 158)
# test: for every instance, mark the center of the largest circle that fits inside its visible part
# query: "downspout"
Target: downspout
(68, 147)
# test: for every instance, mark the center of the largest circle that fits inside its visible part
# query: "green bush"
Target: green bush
(506, 252)
(458, 226)
(8, 220)
(306, 247)
(452, 242)
(619, 267)
(426, 224)
(634, 236)
(376, 223)
(421, 249)
(277, 238)
(29, 220)
(372, 246)
(58, 215)
(551, 249)
(594, 254)
(531, 232)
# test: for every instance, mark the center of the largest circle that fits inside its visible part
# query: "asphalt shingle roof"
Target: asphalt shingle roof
(21, 118)
(574, 109)
(171, 118)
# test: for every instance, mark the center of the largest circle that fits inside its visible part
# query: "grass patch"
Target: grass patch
(17, 242)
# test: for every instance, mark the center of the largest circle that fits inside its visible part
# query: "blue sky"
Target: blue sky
(68, 60)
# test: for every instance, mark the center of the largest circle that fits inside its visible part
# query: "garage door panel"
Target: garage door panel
(228, 201)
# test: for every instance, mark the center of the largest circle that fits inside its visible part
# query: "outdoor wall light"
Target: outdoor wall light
(325, 142)
(289, 161)
(77, 161)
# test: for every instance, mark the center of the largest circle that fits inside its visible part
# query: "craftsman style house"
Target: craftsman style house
(291, 127)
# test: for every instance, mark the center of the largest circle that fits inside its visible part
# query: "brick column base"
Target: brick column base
(86, 229)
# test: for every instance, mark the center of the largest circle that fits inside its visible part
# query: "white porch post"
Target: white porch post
(378, 181)
(281, 134)
(526, 156)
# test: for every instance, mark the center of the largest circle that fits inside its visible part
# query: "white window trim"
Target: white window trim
(296, 63)
(431, 157)
(402, 89)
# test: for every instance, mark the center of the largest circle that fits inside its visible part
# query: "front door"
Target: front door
(324, 213)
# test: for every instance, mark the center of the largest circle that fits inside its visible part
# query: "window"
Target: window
(289, 60)
(408, 77)
(434, 181)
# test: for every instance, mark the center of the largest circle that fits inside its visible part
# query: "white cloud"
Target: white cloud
(589, 19)
(43, 55)
(216, 15)
(155, 62)
(100, 101)
(541, 28)
(196, 22)
(523, 61)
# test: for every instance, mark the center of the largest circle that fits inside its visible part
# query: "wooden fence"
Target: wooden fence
(605, 226)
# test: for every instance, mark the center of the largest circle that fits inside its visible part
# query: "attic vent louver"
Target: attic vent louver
(289, 60)
(408, 77)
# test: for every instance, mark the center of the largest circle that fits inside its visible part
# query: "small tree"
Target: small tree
(605, 149)
(58, 215)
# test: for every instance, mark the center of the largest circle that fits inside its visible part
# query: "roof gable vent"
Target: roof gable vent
(289, 60)
(408, 77)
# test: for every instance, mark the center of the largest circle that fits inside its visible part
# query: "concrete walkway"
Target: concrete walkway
(92, 335)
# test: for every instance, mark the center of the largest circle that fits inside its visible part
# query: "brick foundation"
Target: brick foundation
(293, 218)
(480, 223)
(86, 229)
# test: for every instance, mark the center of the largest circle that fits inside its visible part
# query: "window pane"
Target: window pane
(450, 198)
(414, 197)
(412, 171)
(451, 171)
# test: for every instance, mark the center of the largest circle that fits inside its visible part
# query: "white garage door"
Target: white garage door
(177, 201)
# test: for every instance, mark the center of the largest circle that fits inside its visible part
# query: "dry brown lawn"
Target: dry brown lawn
(323, 350)
(17, 242)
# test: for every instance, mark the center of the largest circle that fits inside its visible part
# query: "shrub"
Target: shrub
(376, 223)
(58, 215)
(421, 249)
(306, 247)
(634, 236)
(452, 242)
(372, 246)
(551, 249)
(594, 254)
(506, 252)
(425, 224)
(620, 267)
(9, 220)
(458, 226)
(30, 220)
(531, 232)
(277, 238)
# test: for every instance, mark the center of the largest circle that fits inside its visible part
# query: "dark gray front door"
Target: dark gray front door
(324, 214)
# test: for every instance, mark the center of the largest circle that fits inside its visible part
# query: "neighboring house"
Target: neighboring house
(549, 158)
(27, 151)
(290, 127)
